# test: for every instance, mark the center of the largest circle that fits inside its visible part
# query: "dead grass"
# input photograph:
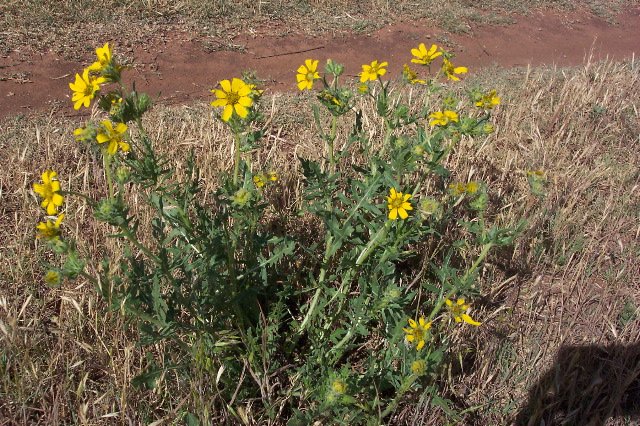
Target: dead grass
(65, 358)
(70, 28)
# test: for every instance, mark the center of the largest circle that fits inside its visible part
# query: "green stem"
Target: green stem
(316, 296)
(330, 142)
(236, 160)
(373, 243)
(91, 279)
(483, 254)
(133, 240)
(106, 162)
(442, 300)
(404, 387)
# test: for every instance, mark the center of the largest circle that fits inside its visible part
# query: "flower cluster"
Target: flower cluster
(86, 86)
(443, 118)
(49, 190)
(418, 332)
(488, 100)
(261, 179)
(49, 230)
(109, 134)
(458, 188)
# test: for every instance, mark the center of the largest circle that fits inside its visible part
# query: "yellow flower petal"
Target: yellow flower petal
(466, 318)
(226, 114)
(241, 110)
(219, 103)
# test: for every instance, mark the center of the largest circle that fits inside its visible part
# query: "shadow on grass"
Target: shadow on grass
(586, 386)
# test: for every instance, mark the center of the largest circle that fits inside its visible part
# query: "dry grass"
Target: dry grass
(65, 358)
(71, 28)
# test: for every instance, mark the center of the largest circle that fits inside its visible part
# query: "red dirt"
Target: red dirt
(179, 70)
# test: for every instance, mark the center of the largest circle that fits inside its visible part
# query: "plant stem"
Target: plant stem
(483, 254)
(330, 144)
(236, 160)
(106, 162)
(316, 296)
(133, 240)
(404, 387)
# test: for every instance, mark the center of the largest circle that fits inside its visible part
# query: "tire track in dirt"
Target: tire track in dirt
(180, 71)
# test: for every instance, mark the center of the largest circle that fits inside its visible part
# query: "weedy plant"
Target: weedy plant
(338, 328)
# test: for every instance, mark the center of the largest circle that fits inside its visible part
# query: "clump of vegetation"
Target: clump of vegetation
(338, 327)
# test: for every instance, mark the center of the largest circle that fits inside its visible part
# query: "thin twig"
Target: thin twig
(291, 53)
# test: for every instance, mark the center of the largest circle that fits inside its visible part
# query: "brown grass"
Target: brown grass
(71, 28)
(65, 358)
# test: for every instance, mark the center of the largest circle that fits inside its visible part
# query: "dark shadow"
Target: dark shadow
(586, 386)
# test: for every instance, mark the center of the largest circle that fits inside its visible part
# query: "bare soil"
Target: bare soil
(178, 67)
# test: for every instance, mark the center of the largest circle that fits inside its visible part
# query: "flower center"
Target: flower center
(48, 192)
(310, 76)
(419, 333)
(232, 98)
(396, 203)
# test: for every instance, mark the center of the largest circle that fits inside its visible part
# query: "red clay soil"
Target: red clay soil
(175, 70)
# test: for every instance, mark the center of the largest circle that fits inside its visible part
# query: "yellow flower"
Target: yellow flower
(472, 187)
(241, 197)
(411, 76)
(255, 92)
(112, 136)
(442, 118)
(52, 278)
(450, 71)
(363, 88)
(538, 174)
(235, 96)
(417, 332)
(373, 71)
(537, 181)
(488, 100)
(398, 204)
(419, 150)
(48, 190)
(49, 230)
(457, 189)
(424, 56)
(459, 312)
(104, 58)
(259, 180)
(307, 73)
(339, 387)
(328, 99)
(488, 128)
(272, 176)
(85, 89)
(117, 105)
(418, 367)
(430, 207)
(85, 134)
